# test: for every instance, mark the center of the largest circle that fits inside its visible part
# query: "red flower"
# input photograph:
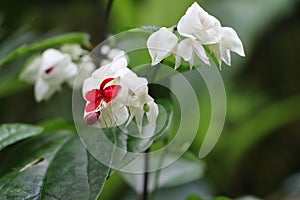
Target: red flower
(97, 96)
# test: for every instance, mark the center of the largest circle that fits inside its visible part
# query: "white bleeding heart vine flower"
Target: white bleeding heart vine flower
(55, 67)
(199, 25)
(161, 44)
(116, 95)
(196, 29)
(230, 41)
(83, 62)
(48, 72)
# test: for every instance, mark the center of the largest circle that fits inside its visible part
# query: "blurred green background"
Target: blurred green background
(258, 152)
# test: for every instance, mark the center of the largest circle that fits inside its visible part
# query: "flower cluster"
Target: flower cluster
(196, 29)
(114, 95)
(54, 67)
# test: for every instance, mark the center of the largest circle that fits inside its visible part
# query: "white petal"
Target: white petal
(104, 49)
(70, 70)
(185, 49)
(200, 52)
(74, 50)
(191, 21)
(177, 61)
(43, 91)
(215, 48)
(131, 80)
(120, 59)
(160, 44)
(30, 72)
(139, 114)
(153, 112)
(231, 41)
(51, 57)
(85, 70)
(111, 69)
(198, 24)
(226, 56)
(152, 117)
(88, 85)
(113, 115)
(63, 70)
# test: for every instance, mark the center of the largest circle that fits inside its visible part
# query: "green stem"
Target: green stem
(157, 174)
(106, 19)
(146, 176)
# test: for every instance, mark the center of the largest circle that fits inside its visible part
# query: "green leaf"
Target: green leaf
(194, 197)
(12, 86)
(242, 138)
(12, 133)
(57, 125)
(50, 166)
(79, 38)
(221, 198)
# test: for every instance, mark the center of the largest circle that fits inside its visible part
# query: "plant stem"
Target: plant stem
(146, 176)
(157, 173)
(106, 19)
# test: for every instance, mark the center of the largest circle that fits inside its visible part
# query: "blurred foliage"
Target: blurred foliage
(259, 147)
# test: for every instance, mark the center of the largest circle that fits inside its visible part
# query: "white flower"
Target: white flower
(230, 41)
(31, 70)
(198, 24)
(160, 44)
(115, 94)
(49, 72)
(187, 48)
(110, 54)
(136, 98)
(163, 43)
(83, 61)
(74, 50)
(85, 67)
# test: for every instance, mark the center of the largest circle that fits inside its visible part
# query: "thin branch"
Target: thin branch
(146, 176)
(106, 19)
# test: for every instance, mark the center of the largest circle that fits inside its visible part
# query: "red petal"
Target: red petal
(92, 106)
(93, 95)
(105, 82)
(91, 118)
(111, 92)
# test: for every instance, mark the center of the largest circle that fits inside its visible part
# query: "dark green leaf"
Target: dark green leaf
(12, 87)
(50, 166)
(56, 125)
(221, 198)
(79, 38)
(12, 133)
(194, 197)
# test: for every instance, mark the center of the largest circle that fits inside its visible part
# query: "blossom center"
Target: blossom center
(105, 94)
(49, 70)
